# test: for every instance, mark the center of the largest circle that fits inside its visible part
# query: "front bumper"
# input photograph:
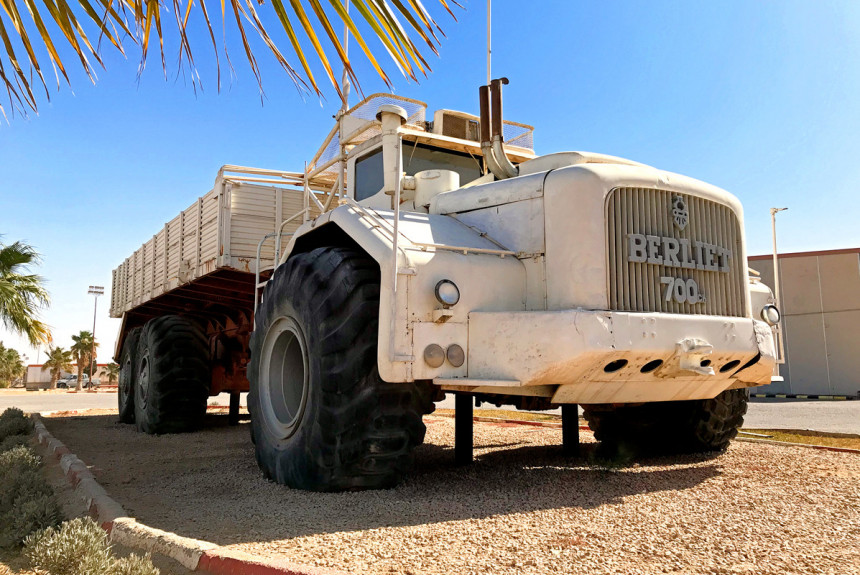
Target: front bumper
(610, 357)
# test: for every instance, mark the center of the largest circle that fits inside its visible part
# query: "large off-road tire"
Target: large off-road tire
(322, 418)
(127, 373)
(671, 426)
(173, 376)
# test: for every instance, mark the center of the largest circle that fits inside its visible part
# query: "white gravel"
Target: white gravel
(521, 508)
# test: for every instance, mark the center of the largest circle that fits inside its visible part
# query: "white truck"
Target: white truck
(412, 259)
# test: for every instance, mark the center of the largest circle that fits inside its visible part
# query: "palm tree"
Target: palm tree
(11, 366)
(82, 350)
(22, 294)
(393, 24)
(58, 361)
(112, 372)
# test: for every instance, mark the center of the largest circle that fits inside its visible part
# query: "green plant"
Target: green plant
(22, 294)
(77, 547)
(13, 441)
(59, 360)
(27, 502)
(401, 28)
(80, 547)
(15, 461)
(135, 565)
(83, 350)
(11, 366)
(14, 422)
(112, 372)
(29, 513)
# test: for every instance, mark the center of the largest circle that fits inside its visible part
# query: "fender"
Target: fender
(430, 248)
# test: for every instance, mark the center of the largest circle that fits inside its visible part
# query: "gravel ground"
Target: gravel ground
(521, 508)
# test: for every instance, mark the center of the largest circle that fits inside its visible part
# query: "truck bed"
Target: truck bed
(206, 255)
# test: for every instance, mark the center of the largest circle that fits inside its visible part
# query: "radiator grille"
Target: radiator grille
(636, 286)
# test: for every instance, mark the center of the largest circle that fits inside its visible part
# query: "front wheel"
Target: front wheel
(671, 426)
(322, 418)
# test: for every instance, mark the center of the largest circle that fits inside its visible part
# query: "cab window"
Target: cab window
(416, 158)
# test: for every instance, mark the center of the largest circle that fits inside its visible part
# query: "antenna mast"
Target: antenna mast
(489, 45)
(345, 88)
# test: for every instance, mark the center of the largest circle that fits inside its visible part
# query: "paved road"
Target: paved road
(830, 416)
(53, 401)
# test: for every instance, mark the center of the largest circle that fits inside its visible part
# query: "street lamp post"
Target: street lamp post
(95, 291)
(778, 302)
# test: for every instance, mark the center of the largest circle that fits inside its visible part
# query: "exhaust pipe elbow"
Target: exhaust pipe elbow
(507, 168)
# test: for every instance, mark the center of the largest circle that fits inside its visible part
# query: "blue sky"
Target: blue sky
(757, 97)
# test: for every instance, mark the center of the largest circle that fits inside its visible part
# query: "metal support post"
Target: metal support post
(570, 428)
(463, 428)
(233, 418)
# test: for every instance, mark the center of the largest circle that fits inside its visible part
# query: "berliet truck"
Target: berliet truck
(414, 258)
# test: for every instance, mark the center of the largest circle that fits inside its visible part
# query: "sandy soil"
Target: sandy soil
(521, 508)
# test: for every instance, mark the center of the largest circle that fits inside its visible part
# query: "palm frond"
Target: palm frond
(79, 20)
(22, 295)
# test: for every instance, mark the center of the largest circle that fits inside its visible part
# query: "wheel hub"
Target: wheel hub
(143, 381)
(125, 378)
(283, 377)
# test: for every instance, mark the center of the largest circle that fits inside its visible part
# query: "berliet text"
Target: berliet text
(678, 253)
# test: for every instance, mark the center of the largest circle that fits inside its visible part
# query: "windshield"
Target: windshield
(416, 158)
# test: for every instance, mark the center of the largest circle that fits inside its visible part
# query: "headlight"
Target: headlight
(447, 293)
(770, 314)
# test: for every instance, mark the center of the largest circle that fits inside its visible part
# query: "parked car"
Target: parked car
(70, 381)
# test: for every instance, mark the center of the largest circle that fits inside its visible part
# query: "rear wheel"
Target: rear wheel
(671, 426)
(172, 377)
(322, 418)
(125, 381)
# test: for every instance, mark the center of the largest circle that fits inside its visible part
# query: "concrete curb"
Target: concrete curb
(804, 396)
(193, 554)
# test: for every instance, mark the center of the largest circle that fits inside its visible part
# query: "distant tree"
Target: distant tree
(58, 361)
(22, 294)
(82, 350)
(11, 366)
(112, 372)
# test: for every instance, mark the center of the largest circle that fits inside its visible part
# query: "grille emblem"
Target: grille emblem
(679, 212)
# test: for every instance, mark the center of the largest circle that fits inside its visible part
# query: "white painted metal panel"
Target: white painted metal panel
(174, 243)
(220, 229)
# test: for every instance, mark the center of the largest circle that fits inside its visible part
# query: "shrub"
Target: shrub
(20, 486)
(13, 441)
(14, 422)
(80, 547)
(27, 515)
(135, 565)
(26, 500)
(17, 460)
(77, 547)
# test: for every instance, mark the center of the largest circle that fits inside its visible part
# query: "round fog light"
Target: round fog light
(770, 314)
(456, 355)
(447, 293)
(434, 355)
